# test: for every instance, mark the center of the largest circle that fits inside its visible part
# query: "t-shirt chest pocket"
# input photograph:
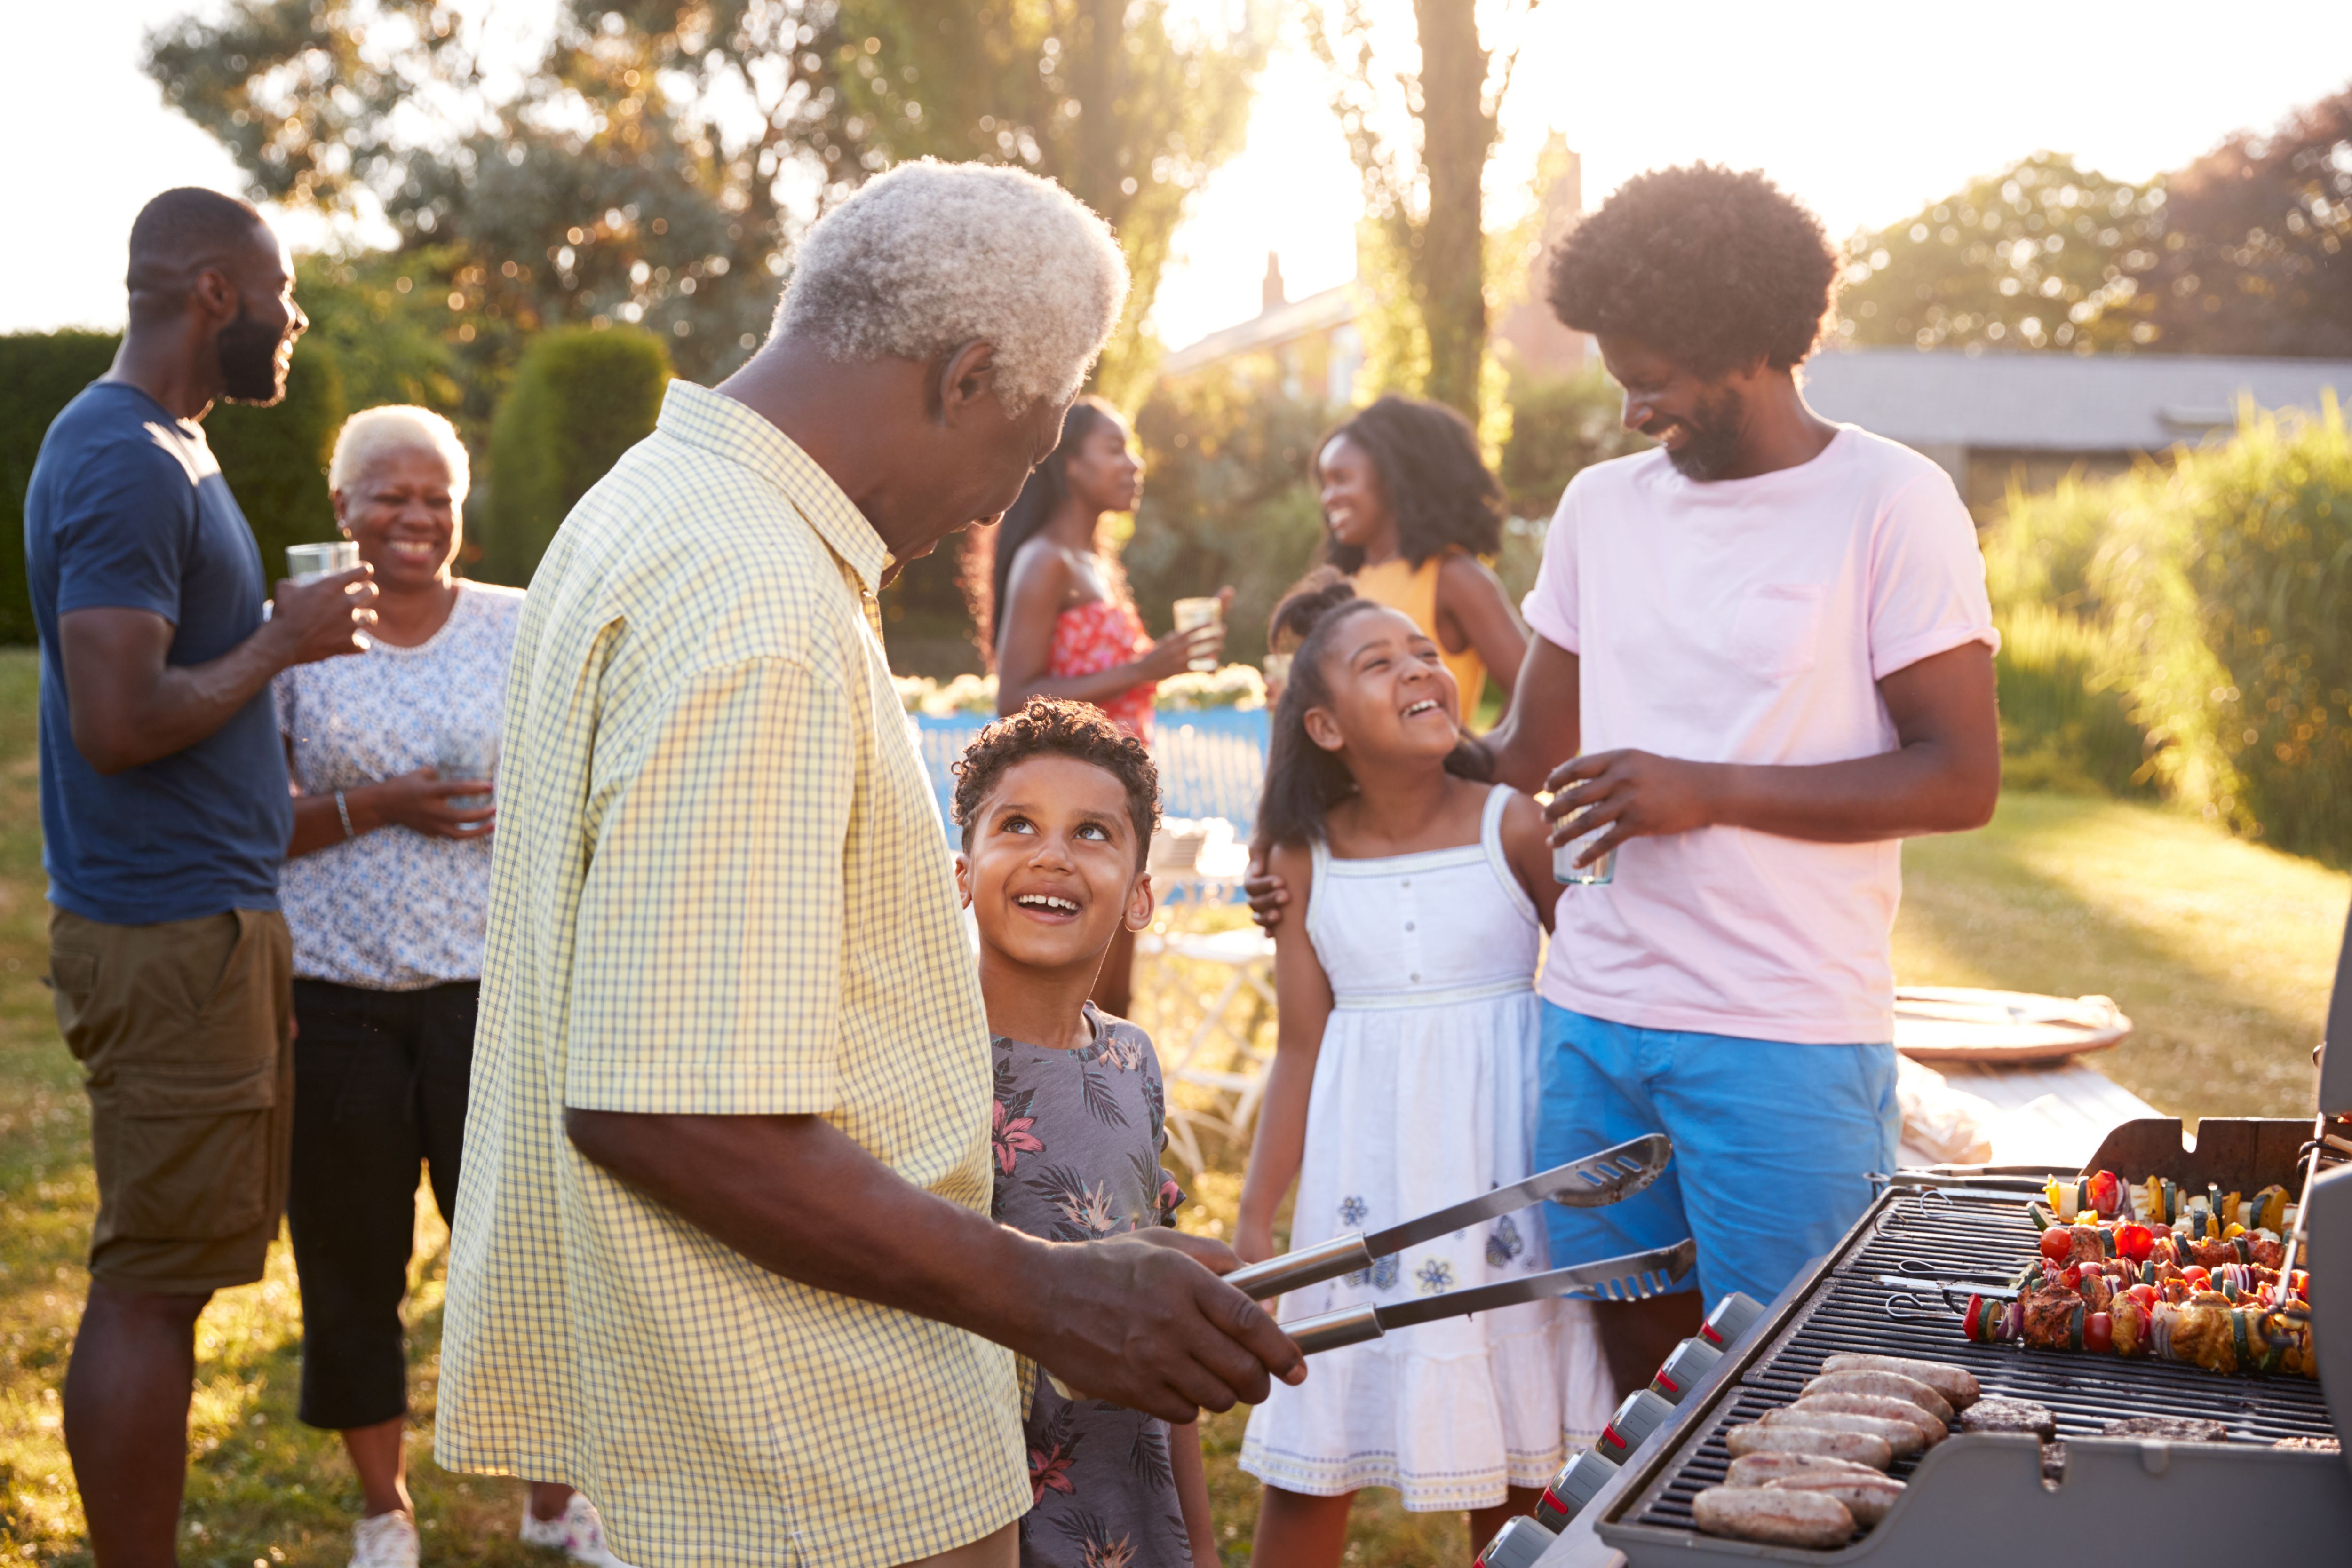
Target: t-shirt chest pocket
(1776, 632)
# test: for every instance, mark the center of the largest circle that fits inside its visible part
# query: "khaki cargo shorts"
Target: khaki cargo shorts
(183, 1031)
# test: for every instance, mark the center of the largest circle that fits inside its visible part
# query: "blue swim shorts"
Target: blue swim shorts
(1773, 1141)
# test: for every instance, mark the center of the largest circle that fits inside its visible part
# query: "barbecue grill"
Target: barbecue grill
(1893, 1287)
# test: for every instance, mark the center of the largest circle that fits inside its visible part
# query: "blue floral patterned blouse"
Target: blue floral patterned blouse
(1078, 1141)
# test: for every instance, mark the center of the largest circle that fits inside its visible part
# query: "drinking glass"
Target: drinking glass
(467, 753)
(1192, 612)
(308, 563)
(1566, 872)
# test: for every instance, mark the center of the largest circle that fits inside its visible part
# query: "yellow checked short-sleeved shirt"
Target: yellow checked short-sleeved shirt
(720, 887)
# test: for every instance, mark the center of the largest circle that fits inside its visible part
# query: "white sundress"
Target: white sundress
(1425, 1095)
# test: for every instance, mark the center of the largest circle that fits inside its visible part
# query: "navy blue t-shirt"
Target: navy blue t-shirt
(127, 511)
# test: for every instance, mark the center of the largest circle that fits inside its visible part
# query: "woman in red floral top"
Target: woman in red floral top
(1060, 620)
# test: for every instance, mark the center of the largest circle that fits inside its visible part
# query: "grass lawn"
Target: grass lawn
(2221, 952)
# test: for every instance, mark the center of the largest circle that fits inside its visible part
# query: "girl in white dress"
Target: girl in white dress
(1404, 1079)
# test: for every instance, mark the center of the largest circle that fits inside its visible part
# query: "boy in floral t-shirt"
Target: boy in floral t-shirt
(1057, 805)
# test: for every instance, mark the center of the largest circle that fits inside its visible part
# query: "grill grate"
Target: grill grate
(1973, 1235)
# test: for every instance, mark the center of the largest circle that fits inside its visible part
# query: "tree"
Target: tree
(1123, 101)
(2044, 254)
(654, 165)
(2256, 257)
(1426, 204)
(647, 169)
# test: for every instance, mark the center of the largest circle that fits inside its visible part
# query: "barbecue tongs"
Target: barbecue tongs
(1635, 1276)
(1593, 1182)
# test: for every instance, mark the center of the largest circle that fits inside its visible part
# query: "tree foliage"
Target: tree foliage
(1425, 203)
(1125, 102)
(644, 170)
(2257, 253)
(653, 164)
(2042, 255)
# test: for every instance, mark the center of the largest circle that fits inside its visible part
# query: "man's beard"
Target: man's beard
(248, 353)
(1713, 436)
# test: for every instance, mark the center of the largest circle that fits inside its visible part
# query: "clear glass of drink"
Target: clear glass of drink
(1568, 873)
(1194, 613)
(467, 753)
(308, 563)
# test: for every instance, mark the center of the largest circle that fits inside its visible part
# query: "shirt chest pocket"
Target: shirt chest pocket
(1776, 632)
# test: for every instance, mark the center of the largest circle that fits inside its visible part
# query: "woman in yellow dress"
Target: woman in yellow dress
(1411, 507)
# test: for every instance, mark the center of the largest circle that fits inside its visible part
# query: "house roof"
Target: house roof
(1269, 329)
(2057, 402)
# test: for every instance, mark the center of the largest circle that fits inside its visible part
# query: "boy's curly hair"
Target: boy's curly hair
(1055, 726)
(1712, 268)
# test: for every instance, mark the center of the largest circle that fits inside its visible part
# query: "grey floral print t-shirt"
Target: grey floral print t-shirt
(1078, 1141)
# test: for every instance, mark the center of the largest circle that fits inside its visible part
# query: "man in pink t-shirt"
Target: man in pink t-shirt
(1766, 647)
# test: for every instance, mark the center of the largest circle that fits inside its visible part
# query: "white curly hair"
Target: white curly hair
(397, 427)
(932, 255)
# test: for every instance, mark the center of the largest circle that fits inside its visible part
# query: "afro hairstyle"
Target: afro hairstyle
(1712, 268)
(1056, 727)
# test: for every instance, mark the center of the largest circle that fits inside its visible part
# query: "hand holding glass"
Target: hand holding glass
(1196, 612)
(468, 755)
(308, 563)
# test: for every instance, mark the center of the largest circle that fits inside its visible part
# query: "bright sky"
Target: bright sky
(1866, 118)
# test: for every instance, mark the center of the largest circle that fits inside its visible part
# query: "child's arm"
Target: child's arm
(1192, 1492)
(1303, 1002)
(1527, 842)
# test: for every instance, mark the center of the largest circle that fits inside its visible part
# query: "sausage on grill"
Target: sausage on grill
(1901, 1437)
(1867, 1498)
(1859, 1447)
(1887, 1386)
(1755, 1470)
(1778, 1517)
(1886, 1409)
(1956, 1384)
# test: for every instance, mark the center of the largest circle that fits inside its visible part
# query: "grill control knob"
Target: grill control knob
(1517, 1546)
(1733, 1316)
(1578, 1481)
(1692, 1360)
(1641, 1415)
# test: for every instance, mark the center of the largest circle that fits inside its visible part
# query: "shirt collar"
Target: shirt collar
(718, 424)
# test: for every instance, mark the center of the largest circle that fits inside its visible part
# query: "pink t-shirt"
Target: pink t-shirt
(1749, 621)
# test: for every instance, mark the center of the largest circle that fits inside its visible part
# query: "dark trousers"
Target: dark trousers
(380, 1081)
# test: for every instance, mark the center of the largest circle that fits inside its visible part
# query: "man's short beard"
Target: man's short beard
(1714, 440)
(248, 354)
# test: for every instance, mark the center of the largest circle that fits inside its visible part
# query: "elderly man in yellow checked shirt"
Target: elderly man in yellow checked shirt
(722, 1258)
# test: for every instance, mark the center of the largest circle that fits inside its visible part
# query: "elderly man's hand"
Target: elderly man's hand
(1142, 1321)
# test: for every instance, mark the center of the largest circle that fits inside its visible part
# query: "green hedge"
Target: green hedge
(582, 397)
(2227, 584)
(2190, 628)
(275, 458)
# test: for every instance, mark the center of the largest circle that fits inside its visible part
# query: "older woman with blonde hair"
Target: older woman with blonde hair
(386, 891)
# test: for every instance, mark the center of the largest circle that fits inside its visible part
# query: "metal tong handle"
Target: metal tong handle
(1332, 1330)
(1326, 1259)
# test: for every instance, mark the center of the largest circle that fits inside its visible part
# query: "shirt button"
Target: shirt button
(1408, 926)
(1406, 883)
(1416, 979)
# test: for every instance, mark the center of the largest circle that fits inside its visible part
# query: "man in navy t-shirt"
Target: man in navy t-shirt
(164, 817)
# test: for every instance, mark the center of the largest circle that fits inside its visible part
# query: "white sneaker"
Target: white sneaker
(577, 1533)
(384, 1541)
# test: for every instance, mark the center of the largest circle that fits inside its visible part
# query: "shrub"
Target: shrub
(1559, 426)
(2227, 585)
(2066, 717)
(2041, 550)
(582, 397)
(39, 374)
(274, 459)
(1227, 498)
